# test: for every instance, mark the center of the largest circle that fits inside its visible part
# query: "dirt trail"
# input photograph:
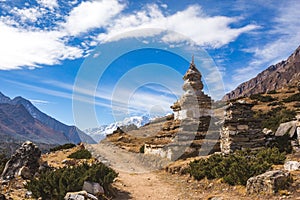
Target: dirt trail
(137, 178)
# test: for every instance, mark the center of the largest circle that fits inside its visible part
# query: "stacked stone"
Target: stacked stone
(193, 103)
(194, 111)
(240, 129)
(191, 128)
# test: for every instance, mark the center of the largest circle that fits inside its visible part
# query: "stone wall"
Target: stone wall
(240, 129)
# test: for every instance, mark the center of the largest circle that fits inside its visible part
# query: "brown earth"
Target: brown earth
(139, 179)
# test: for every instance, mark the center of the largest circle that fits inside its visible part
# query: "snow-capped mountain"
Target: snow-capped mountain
(130, 123)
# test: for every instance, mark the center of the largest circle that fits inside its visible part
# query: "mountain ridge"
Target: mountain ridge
(63, 132)
(283, 74)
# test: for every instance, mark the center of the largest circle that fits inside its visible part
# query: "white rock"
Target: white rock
(291, 165)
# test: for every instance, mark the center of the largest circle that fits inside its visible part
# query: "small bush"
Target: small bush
(142, 149)
(275, 103)
(236, 168)
(297, 105)
(283, 143)
(81, 154)
(54, 184)
(61, 147)
(261, 98)
(272, 92)
(294, 97)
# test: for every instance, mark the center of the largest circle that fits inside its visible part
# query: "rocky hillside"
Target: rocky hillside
(20, 120)
(17, 123)
(283, 74)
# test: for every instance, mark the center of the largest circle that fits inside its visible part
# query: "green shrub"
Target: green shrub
(294, 97)
(272, 92)
(275, 103)
(64, 146)
(273, 118)
(283, 143)
(3, 161)
(142, 149)
(237, 168)
(261, 98)
(54, 184)
(297, 105)
(81, 154)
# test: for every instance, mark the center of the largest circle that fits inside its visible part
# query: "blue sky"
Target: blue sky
(94, 62)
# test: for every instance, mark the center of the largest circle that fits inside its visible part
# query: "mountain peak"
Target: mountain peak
(64, 132)
(4, 99)
(283, 74)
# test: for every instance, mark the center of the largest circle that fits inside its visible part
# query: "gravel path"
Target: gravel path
(139, 177)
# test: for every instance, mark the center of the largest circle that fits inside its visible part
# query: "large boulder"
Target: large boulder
(93, 188)
(269, 182)
(286, 128)
(25, 162)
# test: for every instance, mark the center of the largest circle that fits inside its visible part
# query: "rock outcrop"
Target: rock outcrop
(240, 129)
(25, 162)
(285, 73)
(269, 182)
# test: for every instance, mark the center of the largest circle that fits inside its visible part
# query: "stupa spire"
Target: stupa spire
(193, 61)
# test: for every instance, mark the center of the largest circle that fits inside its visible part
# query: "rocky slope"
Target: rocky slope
(283, 74)
(20, 120)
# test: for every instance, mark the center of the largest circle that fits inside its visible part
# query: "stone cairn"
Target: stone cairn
(240, 129)
(24, 163)
(184, 135)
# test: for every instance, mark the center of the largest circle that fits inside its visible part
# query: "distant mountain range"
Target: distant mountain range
(283, 74)
(20, 120)
(130, 123)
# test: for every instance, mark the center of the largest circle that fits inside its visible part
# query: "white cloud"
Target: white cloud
(286, 31)
(191, 22)
(39, 102)
(28, 14)
(32, 48)
(91, 14)
(51, 4)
